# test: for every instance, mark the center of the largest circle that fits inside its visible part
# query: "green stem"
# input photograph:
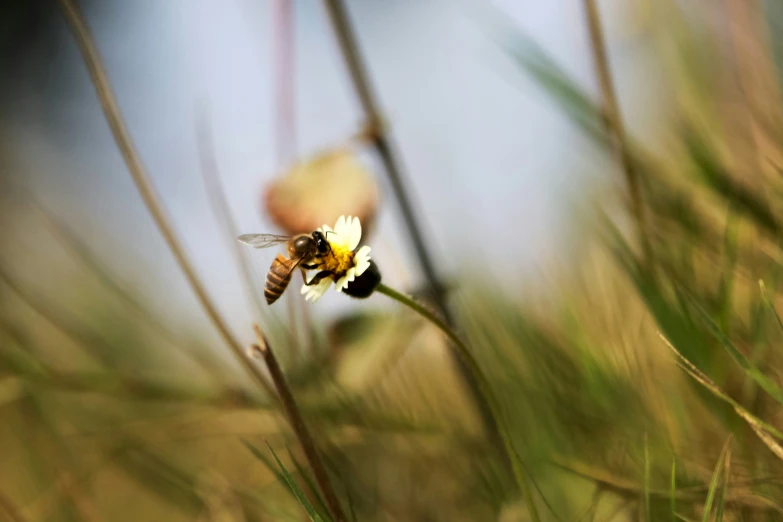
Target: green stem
(486, 389)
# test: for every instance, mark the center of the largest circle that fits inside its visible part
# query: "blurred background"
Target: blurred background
(596, 184)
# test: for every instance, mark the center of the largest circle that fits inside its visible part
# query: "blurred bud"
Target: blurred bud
(363, 286)
(320, 189)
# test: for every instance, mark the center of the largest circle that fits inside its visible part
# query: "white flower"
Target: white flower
(342, 262)
(314, 292)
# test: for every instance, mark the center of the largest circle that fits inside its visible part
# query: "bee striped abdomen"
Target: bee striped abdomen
(278, 277)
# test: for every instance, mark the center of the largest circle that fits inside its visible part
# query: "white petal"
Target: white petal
(342, 283)
(361, 267)
(353, 233)
(338, 240)
(308, 291)
(321, 289)
(362, 260)
(316, 291)
(310, 275)
(340, 226)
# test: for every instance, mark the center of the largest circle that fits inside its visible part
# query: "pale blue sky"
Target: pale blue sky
(487, 153)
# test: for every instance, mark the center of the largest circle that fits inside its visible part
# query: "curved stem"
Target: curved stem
(483, 382)
(116, 122)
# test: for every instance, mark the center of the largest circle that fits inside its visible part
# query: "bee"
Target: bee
(304, 250)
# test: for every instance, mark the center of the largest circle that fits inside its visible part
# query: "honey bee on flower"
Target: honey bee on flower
(329, 254)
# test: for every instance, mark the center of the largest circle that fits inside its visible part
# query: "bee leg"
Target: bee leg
(310, 267)
(318, 277)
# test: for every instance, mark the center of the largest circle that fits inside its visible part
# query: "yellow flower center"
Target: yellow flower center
(338, 260)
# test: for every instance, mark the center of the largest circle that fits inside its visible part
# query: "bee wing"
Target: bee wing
(262, 240)
(288, 265)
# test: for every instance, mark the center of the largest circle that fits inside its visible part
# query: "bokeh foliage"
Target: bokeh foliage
(638, 385)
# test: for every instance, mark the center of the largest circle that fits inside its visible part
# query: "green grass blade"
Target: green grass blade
(310, 484)
(769, 304)
(767, 384)
(159, 476)
(717, 178)
(715, 481)
(713, 388)
(284, 477)
(296, 489)
(267, 463)
(726, 288)
(557, 84)
(765, 437)
(722, 503)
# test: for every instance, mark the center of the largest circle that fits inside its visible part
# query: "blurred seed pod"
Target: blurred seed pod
(320, 189)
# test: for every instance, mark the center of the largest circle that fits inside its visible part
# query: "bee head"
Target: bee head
(321, 244)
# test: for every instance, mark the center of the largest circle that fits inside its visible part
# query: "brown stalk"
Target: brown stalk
(377, 132)
(298, 425)
(361, 83)
(115, 120)
(614, 122)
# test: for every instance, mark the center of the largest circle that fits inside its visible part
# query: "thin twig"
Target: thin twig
(614, 121)
(392, 165)
(360, 79)
(299, 427)
(115, 120)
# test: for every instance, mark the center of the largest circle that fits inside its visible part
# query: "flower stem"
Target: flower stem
(484, 386)
(391, 159)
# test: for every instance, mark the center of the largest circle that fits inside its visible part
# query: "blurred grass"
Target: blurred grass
(612, 422)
